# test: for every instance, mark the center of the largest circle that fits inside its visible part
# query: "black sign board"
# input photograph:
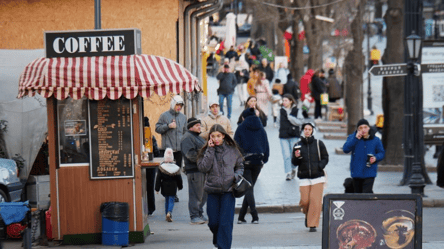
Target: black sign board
(432, 68)
(92, 43)
(111, 139)
(372, 221)
(389, 70)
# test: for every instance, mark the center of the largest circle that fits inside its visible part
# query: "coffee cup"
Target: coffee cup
(369, 164)
(298, 148)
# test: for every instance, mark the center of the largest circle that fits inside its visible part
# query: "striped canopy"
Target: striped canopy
(105, 76)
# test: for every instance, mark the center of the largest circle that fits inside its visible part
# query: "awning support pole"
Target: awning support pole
(97, 14)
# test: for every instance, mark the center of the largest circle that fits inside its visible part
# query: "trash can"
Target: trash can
(115, 223)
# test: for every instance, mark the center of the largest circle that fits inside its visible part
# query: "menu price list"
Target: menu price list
(111, 138)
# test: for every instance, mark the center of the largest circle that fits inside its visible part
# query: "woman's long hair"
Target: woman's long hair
(227, 139)
(247, 107)
(291, 98)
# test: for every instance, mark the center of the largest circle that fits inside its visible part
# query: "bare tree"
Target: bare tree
(393, 87)
(354, 65)
(265, 18)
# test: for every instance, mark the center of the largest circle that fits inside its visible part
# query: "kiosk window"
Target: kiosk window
(72, 118)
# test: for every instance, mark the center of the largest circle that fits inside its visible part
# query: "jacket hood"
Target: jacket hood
(302, 129)
(214, 116)
(169, 168)
(252, 123)
(176, 100)
(309, 72)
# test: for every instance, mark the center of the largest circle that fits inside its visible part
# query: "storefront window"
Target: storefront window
(73, 123)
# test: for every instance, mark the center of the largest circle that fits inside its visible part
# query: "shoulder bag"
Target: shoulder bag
(241, 187)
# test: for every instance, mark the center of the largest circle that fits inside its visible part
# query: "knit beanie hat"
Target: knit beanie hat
(248, 112)
(192, 122)
(362, 122)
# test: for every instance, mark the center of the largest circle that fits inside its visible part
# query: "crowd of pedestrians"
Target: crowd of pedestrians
(216, 155)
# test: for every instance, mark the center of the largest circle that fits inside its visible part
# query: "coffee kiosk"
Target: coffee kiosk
(95, 82)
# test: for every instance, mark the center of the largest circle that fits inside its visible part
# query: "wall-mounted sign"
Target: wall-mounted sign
(111, 139)
(372, 221)
(85, 43)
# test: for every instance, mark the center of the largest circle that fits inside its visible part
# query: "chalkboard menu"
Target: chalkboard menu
(372, 221)
(111, 139)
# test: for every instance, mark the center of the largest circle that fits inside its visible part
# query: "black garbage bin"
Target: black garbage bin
(115, 223)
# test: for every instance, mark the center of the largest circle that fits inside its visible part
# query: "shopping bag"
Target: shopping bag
(324, 98)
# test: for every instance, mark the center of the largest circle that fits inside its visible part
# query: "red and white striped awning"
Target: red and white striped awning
(105, 76)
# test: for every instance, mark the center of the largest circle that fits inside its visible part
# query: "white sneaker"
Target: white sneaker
(293, 174)
(288, 177)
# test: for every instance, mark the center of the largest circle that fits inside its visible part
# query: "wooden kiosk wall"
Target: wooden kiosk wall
(76, 199)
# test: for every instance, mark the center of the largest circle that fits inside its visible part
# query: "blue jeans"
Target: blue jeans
(287, 148)
(169, 204)
(220, 210)
(229, 98)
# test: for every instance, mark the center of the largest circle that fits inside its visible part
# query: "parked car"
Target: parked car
(10, 185)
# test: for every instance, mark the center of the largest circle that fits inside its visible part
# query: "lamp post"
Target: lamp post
(416, 182)
(369, 19)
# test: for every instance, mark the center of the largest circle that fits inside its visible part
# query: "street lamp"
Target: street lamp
(416, 182)
(368, 17)
(413, 45)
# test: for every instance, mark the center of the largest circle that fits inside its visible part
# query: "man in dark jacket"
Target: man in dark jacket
(366, 151)
(292, 88)
(231, 53)
(265, 67)
(190, 145)
(333, 86)
(317, 88)
(253, 142)
(227, 83)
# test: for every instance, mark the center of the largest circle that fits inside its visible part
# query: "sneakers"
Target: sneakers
(255, 222)
(293, 173)
(203, 218)
(241, 221)
(176, 199)
(169, 217)
(288, 177)
(197, 221)
(312, 229)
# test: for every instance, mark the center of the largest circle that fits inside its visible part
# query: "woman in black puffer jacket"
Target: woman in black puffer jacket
(311, 157)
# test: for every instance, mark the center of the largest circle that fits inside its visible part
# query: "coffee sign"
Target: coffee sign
(92, 43)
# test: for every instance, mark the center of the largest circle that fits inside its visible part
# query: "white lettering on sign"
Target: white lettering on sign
(83, 44)
(56, 46)
(94, 43)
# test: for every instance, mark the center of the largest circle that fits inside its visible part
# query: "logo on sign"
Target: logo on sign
(338, 212)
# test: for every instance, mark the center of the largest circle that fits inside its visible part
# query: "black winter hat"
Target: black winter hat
(192, 122)
(362, 122)
(248, 112)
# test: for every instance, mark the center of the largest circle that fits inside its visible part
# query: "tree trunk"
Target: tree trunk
(354, 65)
(314, 43)
(393, 87)
(264, 24)
(378, 8)
(296, 52)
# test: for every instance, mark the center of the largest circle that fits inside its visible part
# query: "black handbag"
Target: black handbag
(241, 187)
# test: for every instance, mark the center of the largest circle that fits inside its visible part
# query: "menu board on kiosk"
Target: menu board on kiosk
(372, 221)
(111, 139)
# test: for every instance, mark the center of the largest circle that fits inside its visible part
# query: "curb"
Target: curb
(426, 202)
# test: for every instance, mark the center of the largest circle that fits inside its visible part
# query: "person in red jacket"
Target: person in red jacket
(305, 91)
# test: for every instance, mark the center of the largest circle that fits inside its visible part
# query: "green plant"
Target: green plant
(20, 161)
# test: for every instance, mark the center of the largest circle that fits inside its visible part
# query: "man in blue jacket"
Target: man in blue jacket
(367, 151)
